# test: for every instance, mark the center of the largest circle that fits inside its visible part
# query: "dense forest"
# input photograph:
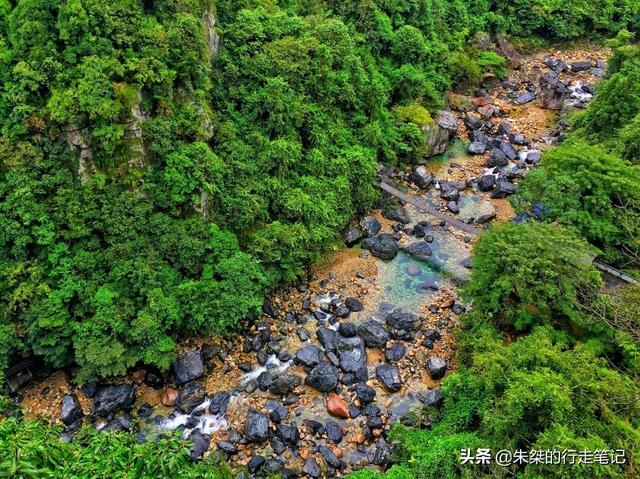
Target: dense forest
(166, 164)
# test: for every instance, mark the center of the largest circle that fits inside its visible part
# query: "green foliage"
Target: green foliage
(531, 274)
(595, 192)
(33, 449)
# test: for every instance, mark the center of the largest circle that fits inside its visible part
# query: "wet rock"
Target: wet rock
(89, 389)
(483, 219)
(154, 379)
(70, 410)
(397, 213)
(487, 183)
(383, 246)
(383, 454)
(255, 463)
(477, 148)
(526, 97)
(370, 226)
(436, 139)
(395, 352)
(277, 412)
(285, 384)
(433, 398)
(373, 334)
(334, 432)
(199, 443)
(364, 393)
(288, 434)
(113, 398)
(421, 229)
(421, 177)
(420, 250)
(389, 376)
(264, 380)
(311, 468)
(347, 330)
(256, 427)
(188, 367)
(453, 207)
(353, 304)
(168, 397)
(323, 377)
(436, 367)
(145, 410)
(352, 235)
(342, 311)
(581, 66)
(402, 320)
(227, 447)
(327, 338)
(316, 428)
(337, 407)
(351, 354)
(503, 189)
(219, 402)
(190, 397)
(308, 356)
(354, 412)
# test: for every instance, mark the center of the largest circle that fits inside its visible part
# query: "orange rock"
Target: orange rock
(447, 303)
(138, 376)
(169, 396)
(481, 101)
(337, 407)
(338, 452)
(360, 438)
(304, 453)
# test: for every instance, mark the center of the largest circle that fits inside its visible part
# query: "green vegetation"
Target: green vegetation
(32, 449)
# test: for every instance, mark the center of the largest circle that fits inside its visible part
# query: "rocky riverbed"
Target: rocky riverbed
(312, 387)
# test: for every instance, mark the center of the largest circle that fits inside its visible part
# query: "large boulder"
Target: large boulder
(449, 192)
(354, 304)
(351, 354)
(70, 410)
(373, 334)
(113, 398)
(447, 120)
(419, 249)
(436, 367)
(327, 338)
(199, 443)
(487, 183)
(370, 226)
(389, 376)
(509, 151)
(219, 402)
(477, 148)
(438, 134)
(383, 246)
(402, 320)
(188, 367)
(352, 235)
(323, 377)
(503, 189)
(190, 397)
(256, 427)
(397, 213)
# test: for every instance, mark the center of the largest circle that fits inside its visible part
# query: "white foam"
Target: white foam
(273, 364)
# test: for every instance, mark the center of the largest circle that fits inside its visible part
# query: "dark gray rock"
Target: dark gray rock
(453, 207)
(526, 97)
(473, 121)
(508, 150)
(199, 443)
(347, 330)
(324, 377)
(190, 396)
(308, 356)
(419, 249)
(395, 352)
(498, 158)
(327, 338)
(70, 409)
(287, 434)
(277, 412)
(334, 432)
(364, 393)
(311, 468)
(383, 246)
(486, 183)
(436, 367)
(351, 354)
(373, 334)
(477, 136)
(272, 467)
(477, 148)
(219, 402)
(353, 304)
(352, 235)
(449, 192)
(581, 66)
(503, 189)
(402, 320)
(421, 177)
(188, 367)
(227, 447)
(397, 213)
(113, 398)
(533, 157)
(370, 226)
(284, 384)
(120, 422)
(433, 398)
(256, 427)
(255, 463)
(330, 457)
(389, 376)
